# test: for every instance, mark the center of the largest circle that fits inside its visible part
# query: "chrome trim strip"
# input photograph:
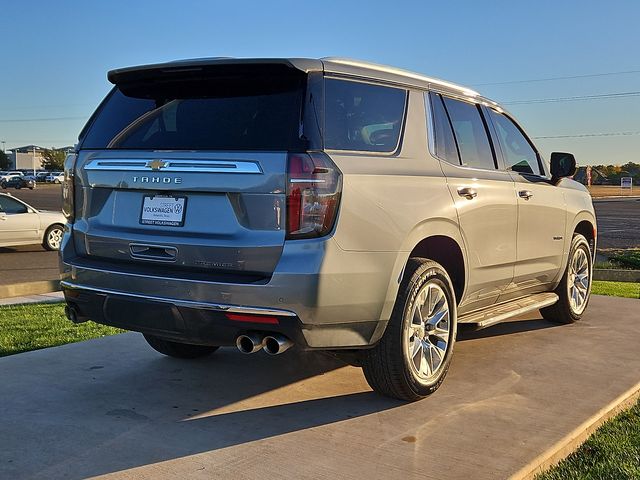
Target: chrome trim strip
(174, 165)
(399, 71)
(185, 303)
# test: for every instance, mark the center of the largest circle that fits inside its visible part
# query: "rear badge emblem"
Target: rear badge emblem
(157, 164)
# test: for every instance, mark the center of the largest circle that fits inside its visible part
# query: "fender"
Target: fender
(428, 228)
(582, 215)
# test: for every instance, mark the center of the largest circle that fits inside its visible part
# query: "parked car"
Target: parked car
(19, 182)
(42, 176)
(21, 224)
(330, 204)
(8, 175)
(55, 177)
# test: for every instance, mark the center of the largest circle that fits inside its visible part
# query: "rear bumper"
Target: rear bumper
(323, 298)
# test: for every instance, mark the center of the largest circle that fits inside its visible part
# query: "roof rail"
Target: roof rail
(401, 72)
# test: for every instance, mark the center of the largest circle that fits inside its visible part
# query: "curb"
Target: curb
(613, 275)
(633, 197)
(567, 445)
(29, 288)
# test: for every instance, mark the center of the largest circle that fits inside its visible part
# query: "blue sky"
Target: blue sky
(54, 55)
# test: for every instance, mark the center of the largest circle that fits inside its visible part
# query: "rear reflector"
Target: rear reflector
(237, 317)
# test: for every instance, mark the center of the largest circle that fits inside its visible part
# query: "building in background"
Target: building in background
(28, 157)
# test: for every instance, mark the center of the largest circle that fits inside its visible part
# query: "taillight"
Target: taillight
(314, 185)
(67, 187)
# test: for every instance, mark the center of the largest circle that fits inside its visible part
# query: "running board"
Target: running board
(499, 313)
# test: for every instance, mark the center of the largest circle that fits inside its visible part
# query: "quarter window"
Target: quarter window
(445, 143)
(519, 155)
(362, 117)
(471, 134)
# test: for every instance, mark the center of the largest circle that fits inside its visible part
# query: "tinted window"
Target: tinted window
(471, 134)
(9, 205)
(445, 143)
(363, 117)
(519, 155)
(219, 113)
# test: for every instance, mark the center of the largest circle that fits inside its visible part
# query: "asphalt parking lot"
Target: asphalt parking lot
(112, 407)
(43, 197)
(31, 263)
(618, 222)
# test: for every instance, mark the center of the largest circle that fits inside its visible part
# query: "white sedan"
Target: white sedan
(21, 224)
(55, 177)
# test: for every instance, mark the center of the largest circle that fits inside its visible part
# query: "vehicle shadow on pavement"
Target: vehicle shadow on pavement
(467, 332)
(109, 418)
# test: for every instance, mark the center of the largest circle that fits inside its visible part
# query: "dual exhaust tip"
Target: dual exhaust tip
(273, 344)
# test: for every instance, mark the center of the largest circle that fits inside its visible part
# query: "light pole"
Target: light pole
(33, 161)
(3, 142)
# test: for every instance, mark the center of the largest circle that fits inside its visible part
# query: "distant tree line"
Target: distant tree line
(615, 172)
(53, 159)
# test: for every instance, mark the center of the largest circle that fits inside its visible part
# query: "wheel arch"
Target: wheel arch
(585, 224)
(587, 228)
(439, 240)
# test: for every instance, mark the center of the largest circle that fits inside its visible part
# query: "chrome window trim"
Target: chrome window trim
(221, 307)
(174, 165)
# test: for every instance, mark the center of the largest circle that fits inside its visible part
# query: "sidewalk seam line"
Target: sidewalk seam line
(570, 442)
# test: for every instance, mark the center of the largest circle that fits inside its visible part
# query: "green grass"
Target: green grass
(616, 289)
(34, 326)
(611, 453)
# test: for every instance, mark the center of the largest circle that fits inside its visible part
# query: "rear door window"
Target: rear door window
(363, 117)
(519, 154)
(471, 134)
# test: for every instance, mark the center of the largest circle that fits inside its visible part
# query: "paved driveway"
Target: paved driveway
(114, 407)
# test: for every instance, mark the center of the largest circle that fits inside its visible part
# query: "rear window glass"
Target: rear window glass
(362, 117)
(226, 113)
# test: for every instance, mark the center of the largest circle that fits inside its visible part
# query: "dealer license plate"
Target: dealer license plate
(163, 210)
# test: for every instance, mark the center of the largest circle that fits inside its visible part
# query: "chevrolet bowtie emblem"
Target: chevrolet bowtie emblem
(157, 164)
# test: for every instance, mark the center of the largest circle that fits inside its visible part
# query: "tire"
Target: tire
(565, 310)
(178, 350)
(53, 237)
(390, 366)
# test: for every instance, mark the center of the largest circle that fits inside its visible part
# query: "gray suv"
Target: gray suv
(331, 204)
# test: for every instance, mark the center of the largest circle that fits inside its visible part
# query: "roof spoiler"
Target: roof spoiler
(203, 65)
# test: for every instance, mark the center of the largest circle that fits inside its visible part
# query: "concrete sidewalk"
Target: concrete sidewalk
(52, 297)
(114, 407)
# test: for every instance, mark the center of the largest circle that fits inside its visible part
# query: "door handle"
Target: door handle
(526, 194)
(467, 192)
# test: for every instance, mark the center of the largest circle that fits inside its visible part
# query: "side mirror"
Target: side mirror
(562, 165)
